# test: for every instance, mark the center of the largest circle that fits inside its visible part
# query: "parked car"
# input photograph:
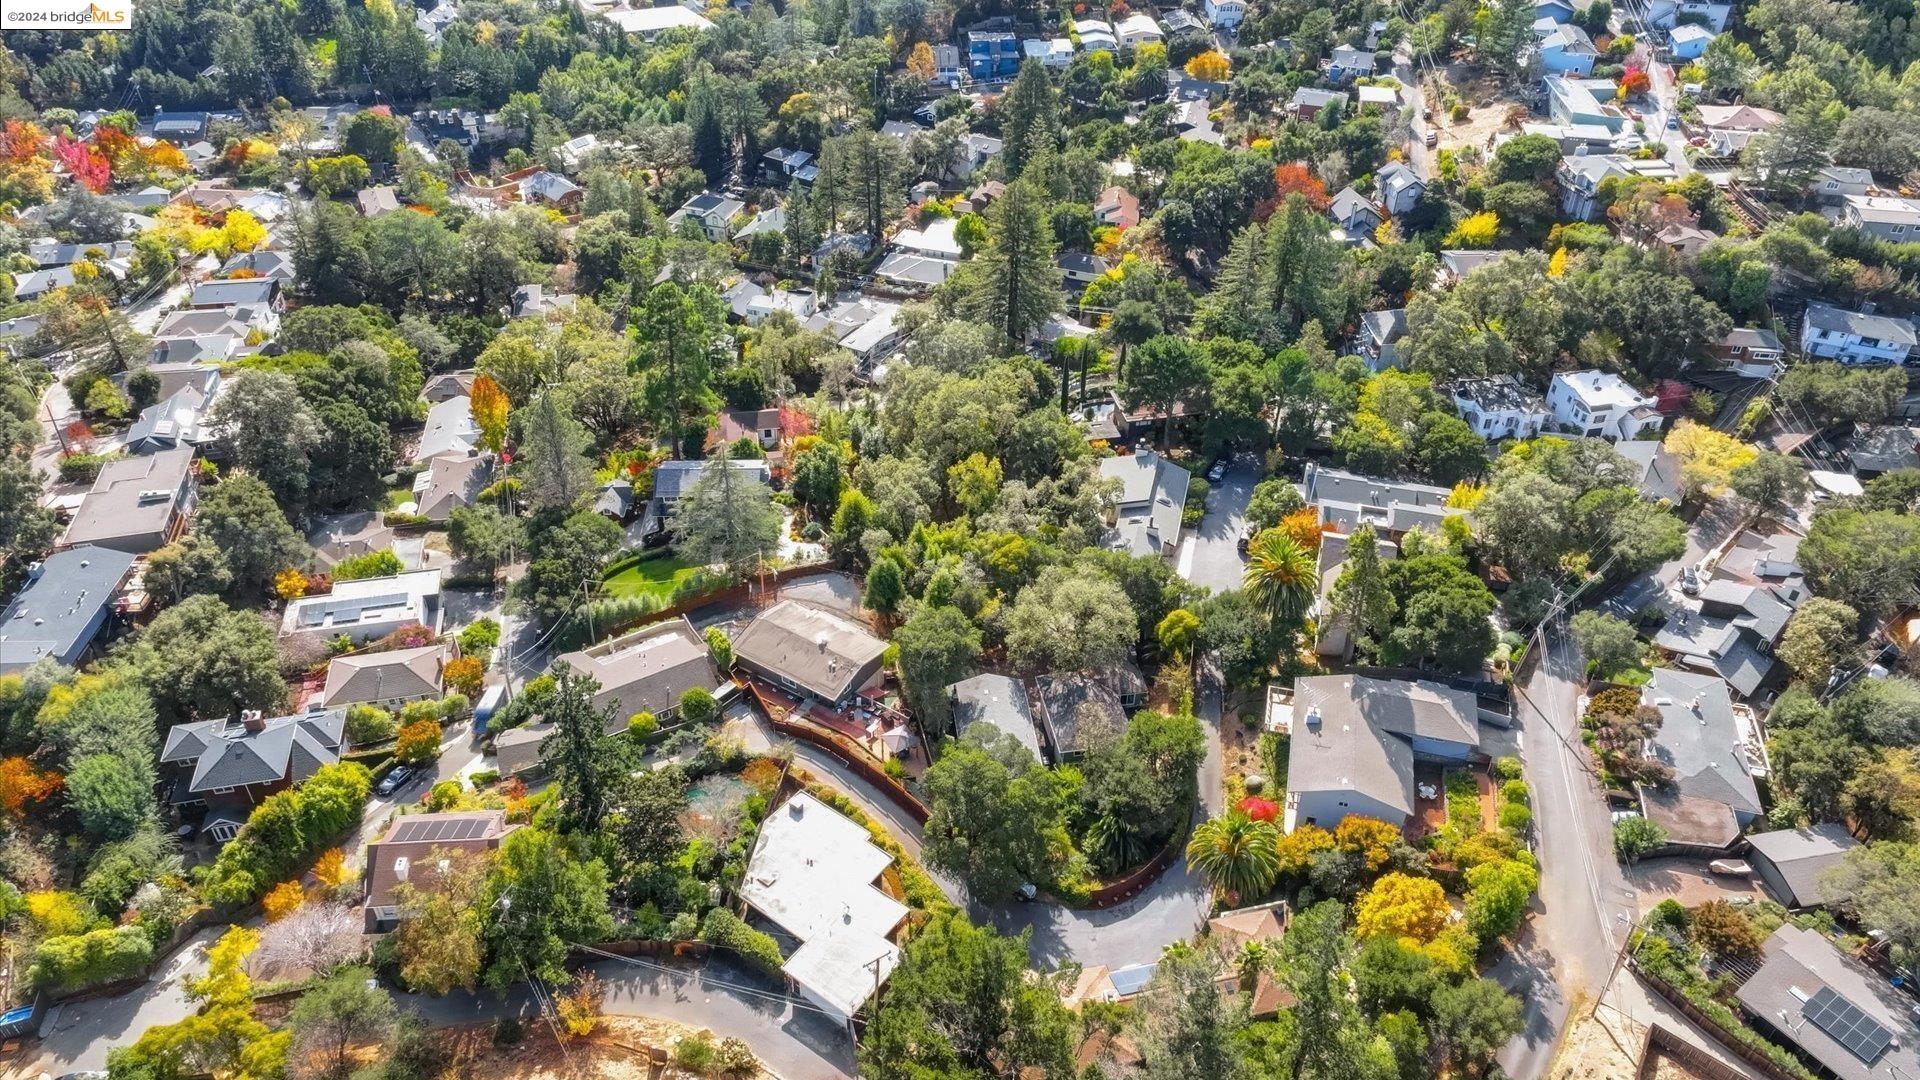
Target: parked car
(394, 780)
(1690, 581)
(1246, 536)
(1731, 867)
(1673, 123)
(1433, 138)
(1219, 470)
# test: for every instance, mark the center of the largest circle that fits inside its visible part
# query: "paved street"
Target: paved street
(76, 1038)
(1210, 553)
(1584, 905)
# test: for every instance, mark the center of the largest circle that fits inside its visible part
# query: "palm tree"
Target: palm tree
(1238, 855)
(1280, 575)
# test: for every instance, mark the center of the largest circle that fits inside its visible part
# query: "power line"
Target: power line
(768, 995)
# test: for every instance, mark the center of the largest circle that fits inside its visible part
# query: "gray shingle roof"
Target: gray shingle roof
(225, 754)
(1352, 733)
(816, 649)
(646, 671)
(1798, 965)
(1699, 740)
(998, 702)
(671, 479)
(57, 613)
(1802, 857)
(386, 676)
(1882, 327)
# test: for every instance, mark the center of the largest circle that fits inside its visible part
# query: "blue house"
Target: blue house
(992, 54)
(1689, 41)
(1558, 10)
(1567, 50)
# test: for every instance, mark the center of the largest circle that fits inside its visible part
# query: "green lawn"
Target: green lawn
(657, 577)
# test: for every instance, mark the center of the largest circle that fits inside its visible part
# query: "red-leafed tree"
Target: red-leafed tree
(1293, 178)
(88, 166)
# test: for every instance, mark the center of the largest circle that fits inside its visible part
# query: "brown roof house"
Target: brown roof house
(418, 849)
(229, 766)
(386, 679)
(646, 671)
(811, 652)
(137, 504)
(449, 483)
(517, 750)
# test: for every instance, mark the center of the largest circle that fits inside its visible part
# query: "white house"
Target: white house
(651, 22)
(1051, 52)
(1837, 183)
(451, 430)
(1666, 14)
(1883, 217)
(1226, 14)
(713, 213)
(815, 873)
(1138, 29)
(366, 608)
(1095, 34)
(1855, 337)
(1601, 404)
(1400, 188)
(1500, 407)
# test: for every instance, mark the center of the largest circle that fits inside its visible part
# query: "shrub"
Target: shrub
(736, 1058)
(1515, 791)
(82, 468)
(444, 796)
(480, 638)
(419, 743)
(1634, 837)
(382, 563)
(642, 725)
(69, 963)
(723, 929)
(1723, 930)
(721, 647)
(463, 673)
(508, 1031)
(283, 900)
(1507, 768)
(697, 1054)
(1515, 816)
(697, 705)
(369, 724)
(284, 830)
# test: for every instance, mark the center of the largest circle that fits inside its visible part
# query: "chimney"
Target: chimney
(253, 720)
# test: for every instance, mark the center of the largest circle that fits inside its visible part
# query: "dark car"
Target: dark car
(394, 780)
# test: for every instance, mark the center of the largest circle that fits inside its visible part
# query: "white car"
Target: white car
(1629, 143)
(1731, 867)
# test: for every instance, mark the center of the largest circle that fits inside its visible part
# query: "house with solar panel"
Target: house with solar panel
(228, 767)
(1830, 1009)
(366, 609)
(418, 850)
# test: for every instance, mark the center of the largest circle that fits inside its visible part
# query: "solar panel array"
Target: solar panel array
(346, 611)
(435, 830)
(1862, 1035)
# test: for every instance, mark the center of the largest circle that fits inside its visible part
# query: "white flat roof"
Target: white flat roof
(1599, 389)
(647, 21)
(813, 872)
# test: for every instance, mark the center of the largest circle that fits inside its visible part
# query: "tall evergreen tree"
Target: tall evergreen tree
(728, 518)
(678, 325)
(1016, 287)
(1239, 304)
(1362, 595)
(1303, 267)
(1030, 121)
(554, 468)
(585, 765)
(864, 172)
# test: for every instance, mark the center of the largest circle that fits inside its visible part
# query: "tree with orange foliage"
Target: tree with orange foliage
(21, 783)
(418, 743)
(463, 673)
(331, 868)
(1211, 66)
(1304, 526)
(920, 61)
(26, 174)
(489, 405)
(283, 900)
(1635, 81)
(1296, 179)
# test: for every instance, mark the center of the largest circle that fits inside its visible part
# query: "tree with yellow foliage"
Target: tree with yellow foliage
(920, 61)
(331, 868)
(290, 584)
(1478, 231)
(1296, 849)
(283, 900)
(1369, 838)
(224, 1038)
(489, 406)
(1707, 458)
(241, 232)
(1211, 66)
(579, 1004)
(1404, 906)
(1557, 266)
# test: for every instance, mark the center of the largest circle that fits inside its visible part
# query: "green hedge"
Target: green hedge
(724, 929)
(64, 965)
(285, 831)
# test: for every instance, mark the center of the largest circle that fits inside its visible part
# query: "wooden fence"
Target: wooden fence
(1132, 884)
(1661, 1043)
(1761, 1062)
(842, 750)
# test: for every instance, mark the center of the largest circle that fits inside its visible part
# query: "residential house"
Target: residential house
(1578, 102)
(1079, 269)
(865, 327)
(997, 702)
(447, 385)
(1349, 62)
(229, 766)
(450, 482)
(387, 680)
(1307, 101)
(1075, 708)
(1500, 407)
(517, 750)
(1379, 338)
(1354, 742)
(1686, 241)
(236, 293)
(1750, 351)
(533, 301)
(377, 201)
(1731, 127)
(650, 22)
(976, 150)
(1194, 123)
(785, 165)
(753, 305)
(1096, 35)
(1837, 183)
(1830, 1008)
(1054, 53)
(1355, 214)
(813, 653)
(815, 873)
(946, 63)
(713, 213)
(1883, 217)
(576, 152)
(1580, 177)
(1573, 138)
(1600, 404)
(1656, 474)
(366, 608)
(1148, 508)
(672, 479)
(1386, 97)
(1793, 864)
(1117, 207)
(174, 420)
(859, 245)
(1567, 50)
(552, 190)
(1688, 41)
(203, 351)
(1347, 500)
(992, 54)
(1335, 637)
(1558, 11)
(348, 536)
(67, 602)
(1714, 749)
(1226, 14)
(420, 849)
(48, 253)
(1855, 337)
(772, 222)
(1180, 21)
(1400, 188)
(1138, 29)
(451, 431)
(1667, 14)
(180, 128)
(646, 671)
(136, 504)
(1733, 633)
(615, 501)
(260, 263)
(1455, 265)
(1874, 449)
(768, 428)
